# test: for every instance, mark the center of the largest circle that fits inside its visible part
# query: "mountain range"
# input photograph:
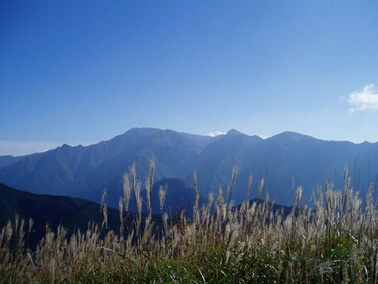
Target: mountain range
(86, 171)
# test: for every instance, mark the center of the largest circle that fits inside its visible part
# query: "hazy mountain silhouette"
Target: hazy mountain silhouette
(86, 171)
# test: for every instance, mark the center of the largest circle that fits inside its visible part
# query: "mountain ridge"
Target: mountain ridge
(85, 171)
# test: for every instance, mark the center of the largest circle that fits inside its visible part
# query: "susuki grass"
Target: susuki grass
(332, 240)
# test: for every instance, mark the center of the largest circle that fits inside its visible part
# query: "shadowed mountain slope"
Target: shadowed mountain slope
(8, 160)
(71, 213)
(180, 195)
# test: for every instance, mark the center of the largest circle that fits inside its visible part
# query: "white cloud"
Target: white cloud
(263, 136)
(215, 133)
(366, 99)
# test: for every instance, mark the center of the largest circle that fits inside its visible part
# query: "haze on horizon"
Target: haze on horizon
(79, 72)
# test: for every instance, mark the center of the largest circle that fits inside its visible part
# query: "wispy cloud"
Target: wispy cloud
(366, 99)
(215, 133)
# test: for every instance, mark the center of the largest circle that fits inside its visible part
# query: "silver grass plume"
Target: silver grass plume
(149, 184)
(195, 208)
(104, 208)
(162, 194)
(120, 205)
(262, 182)
(298, 195)
(126, 190)
(132, 172)
(249, 184)
(138, 197)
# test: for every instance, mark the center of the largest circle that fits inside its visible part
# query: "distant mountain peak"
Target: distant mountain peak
(293, 136)
(65, 146)
(234, 132)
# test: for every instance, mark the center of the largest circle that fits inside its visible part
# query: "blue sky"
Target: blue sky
(85, 71)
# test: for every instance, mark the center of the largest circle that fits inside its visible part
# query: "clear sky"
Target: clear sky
(84, 71)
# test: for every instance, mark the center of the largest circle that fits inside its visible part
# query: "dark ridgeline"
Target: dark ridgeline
(72, 213)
